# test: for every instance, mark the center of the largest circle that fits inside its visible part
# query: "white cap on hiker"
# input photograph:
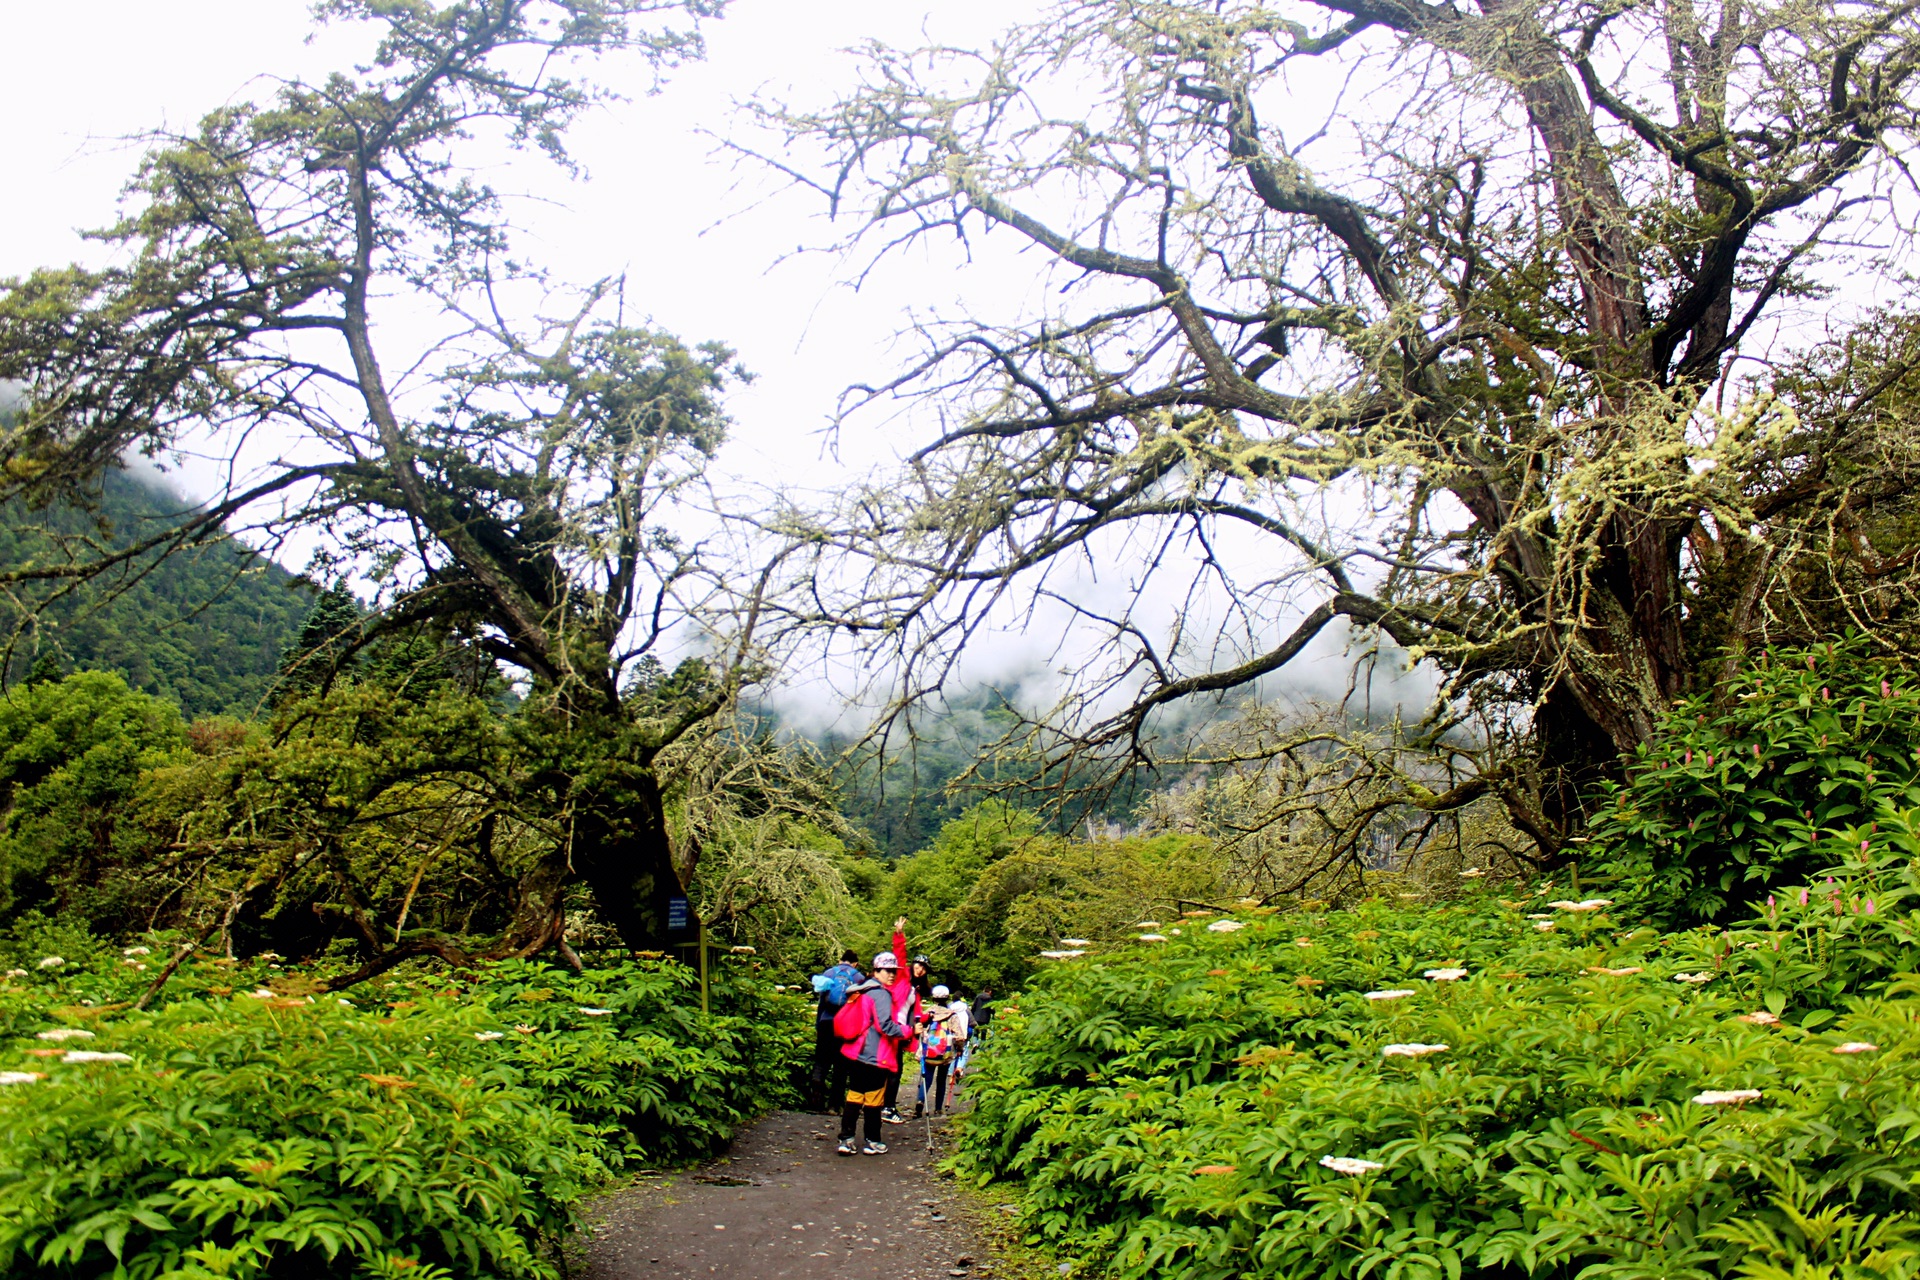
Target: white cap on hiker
(885, 960)
(941, 993)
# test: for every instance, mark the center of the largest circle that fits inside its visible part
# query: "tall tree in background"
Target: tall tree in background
(326, 273)
(1418, 314)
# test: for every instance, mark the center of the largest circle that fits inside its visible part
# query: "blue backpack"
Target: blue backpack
(833, 986)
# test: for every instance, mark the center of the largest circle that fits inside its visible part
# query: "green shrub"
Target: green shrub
(74, 756)
(427, 1127)
(1169, 1109)
(1729, 798)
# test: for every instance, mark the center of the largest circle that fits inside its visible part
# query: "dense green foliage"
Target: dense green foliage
(1728, 800)
(992, 890)
(205, 628)
(73, 754)
(1169, 1107)
(258, 1126)
(1531, 1085)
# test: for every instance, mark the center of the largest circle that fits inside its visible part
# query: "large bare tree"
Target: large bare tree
(1421, 314)
(325, 279)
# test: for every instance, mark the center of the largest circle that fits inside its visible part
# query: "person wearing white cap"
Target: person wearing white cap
(941, 1040)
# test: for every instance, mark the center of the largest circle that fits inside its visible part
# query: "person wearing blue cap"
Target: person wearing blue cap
(833, 987)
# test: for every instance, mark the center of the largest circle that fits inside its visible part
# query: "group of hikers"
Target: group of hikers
(870, 1025)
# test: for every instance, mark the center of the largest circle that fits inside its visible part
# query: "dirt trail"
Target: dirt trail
(780, 1205)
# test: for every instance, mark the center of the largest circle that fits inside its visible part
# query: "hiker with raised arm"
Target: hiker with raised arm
(873, 1026)
(906, 992)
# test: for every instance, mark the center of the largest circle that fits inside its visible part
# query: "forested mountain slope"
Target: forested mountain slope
(205, 628)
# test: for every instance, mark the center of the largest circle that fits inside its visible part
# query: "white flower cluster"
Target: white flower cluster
(1759, 1018)
(1075, 942)
(137, 951)
(20, 1077)
(1153, 937)
(1693, 979)
(64, 1033)
(1224, 926)
(52, 962)
(1060, 955)
(489, 1035)
(1614, 973)
(595, 1013)
(1857, 1046)
(1414, 1050)
(1445, 975)
(1725, 1097)
(1395, 993)
(16, 973)
(1585, 904)
(1350, 1166)
(94, 1055)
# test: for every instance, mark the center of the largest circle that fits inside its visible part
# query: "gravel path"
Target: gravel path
(782, 1206)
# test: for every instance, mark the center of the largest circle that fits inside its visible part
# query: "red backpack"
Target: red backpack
(853, 1018)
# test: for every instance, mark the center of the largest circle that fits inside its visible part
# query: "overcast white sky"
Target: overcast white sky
(700, 250)
(85, 75)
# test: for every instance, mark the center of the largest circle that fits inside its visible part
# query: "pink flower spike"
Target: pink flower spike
(1868, 908)
(1886, 690)
(1803, 897)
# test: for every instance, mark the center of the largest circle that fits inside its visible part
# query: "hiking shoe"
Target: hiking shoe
(846, 1147)
(872, 1149)
(892, 1117)
(921, 1111)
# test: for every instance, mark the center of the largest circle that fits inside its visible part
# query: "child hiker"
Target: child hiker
(872, 1027)
(941, 1038)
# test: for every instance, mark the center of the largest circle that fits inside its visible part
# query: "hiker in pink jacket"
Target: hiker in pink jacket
(872, 1026)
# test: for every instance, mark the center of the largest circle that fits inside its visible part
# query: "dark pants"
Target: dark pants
(866, 1086)
(933, 1075)
(829, 1069)
(893, 1088)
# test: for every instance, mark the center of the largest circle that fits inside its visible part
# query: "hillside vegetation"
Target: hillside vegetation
(206, 628)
